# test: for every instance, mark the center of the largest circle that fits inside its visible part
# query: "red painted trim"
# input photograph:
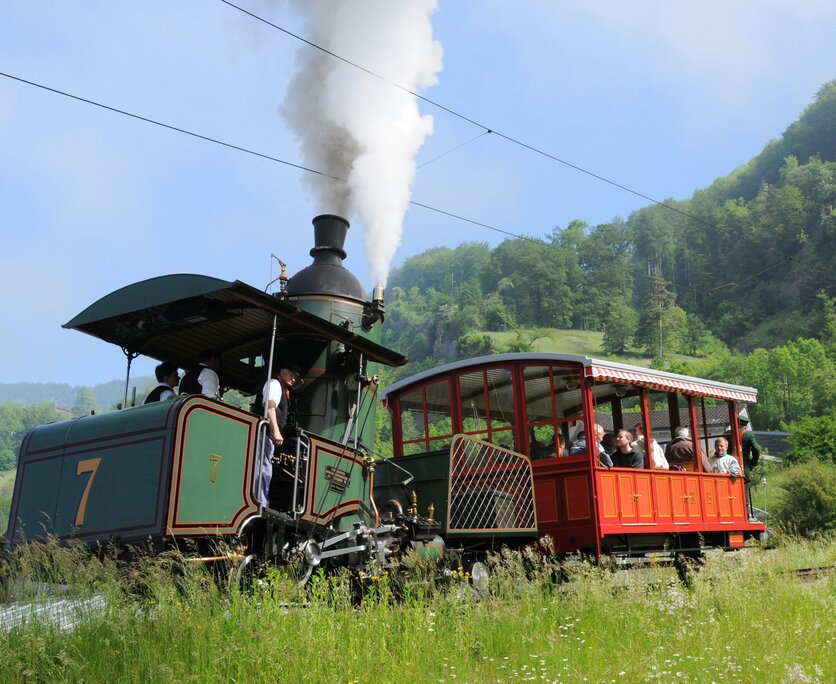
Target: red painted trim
(248, 506)
(343, 507)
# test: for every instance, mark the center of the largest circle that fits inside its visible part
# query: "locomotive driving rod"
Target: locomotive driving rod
(353, 533)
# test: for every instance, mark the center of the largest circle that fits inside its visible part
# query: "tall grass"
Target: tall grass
(743, 619)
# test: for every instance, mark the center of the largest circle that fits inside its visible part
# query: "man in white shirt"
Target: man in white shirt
(638, 445)
(204, 378)
(276, 402)
(720, 461)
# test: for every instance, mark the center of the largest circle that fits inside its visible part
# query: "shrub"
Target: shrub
(808, 500)
(813, 438)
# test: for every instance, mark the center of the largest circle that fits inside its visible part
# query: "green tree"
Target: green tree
(813, 438)
(620, 326)
(794, 380)
(522, 342)
(697, 339)
(652, 327)
(85, 402)
(15, 420)
(675, 330)
(473, 344)
(541, 294)
(496, 314)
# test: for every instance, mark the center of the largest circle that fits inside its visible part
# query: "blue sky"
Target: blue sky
(662, 97)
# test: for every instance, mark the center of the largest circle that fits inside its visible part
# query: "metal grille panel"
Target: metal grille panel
(491, 488)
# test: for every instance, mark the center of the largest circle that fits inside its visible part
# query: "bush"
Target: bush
(813, 438)
(808, 500)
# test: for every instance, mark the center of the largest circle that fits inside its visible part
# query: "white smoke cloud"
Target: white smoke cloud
(357, 127)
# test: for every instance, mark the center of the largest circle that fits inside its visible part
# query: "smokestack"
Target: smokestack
(329, 238)
(359, 128)
(327, 275)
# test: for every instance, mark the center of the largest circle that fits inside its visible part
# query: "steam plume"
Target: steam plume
(354, 126)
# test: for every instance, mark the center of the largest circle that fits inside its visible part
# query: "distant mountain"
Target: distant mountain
(63, 395)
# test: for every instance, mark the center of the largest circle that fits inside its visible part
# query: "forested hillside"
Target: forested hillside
(744, 264)
(101, 397)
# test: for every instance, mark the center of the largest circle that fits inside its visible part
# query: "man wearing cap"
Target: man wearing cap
(751, 455)
(749, 445)
(276, 399)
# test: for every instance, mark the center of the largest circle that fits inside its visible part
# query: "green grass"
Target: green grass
(744, 619)
(583, 342)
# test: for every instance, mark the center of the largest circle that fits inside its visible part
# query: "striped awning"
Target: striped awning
(668, 382)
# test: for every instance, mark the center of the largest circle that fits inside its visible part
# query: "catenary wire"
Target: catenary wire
(509, 138)
(278, 160)
(168, 126)
(452, 149)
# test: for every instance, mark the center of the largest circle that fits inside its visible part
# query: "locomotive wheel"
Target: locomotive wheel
(480, 577)
(241, 575)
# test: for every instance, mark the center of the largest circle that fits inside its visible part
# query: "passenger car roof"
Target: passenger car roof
(603, 370)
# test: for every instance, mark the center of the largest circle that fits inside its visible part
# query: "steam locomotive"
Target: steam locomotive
(471, 468)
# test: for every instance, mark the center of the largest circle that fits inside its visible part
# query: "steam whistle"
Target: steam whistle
(372, 313)
(283, 277)
(364, 380)
(413, 504)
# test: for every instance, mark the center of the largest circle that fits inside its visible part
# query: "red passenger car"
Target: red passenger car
(504, 449)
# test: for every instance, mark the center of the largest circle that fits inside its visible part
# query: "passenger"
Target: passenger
(561, 445)
(579, 447)
(204, 378)
(722, 461)
(680, 449)
(624, 456)
(638, 445)
(609, 443)
(276, 398)
(168, 377)
(537, 450)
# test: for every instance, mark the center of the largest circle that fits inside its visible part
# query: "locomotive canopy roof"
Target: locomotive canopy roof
(175, 317)
(605, 371)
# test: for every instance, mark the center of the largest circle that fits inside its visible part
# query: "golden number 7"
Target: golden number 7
(216, 459)
(89, 465)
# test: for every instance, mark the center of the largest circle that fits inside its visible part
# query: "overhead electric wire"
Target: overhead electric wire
(509, 138)
(278, 160)
(168, 126)
(453, 149)
(749, 277)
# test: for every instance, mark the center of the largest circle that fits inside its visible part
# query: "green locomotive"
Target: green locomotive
(189, 468)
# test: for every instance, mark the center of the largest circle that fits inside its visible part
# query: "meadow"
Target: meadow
(745, 617)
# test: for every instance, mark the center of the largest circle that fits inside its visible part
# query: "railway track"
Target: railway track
(814, 574)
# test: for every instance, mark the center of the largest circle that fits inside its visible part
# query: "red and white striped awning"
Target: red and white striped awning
(671, 383)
